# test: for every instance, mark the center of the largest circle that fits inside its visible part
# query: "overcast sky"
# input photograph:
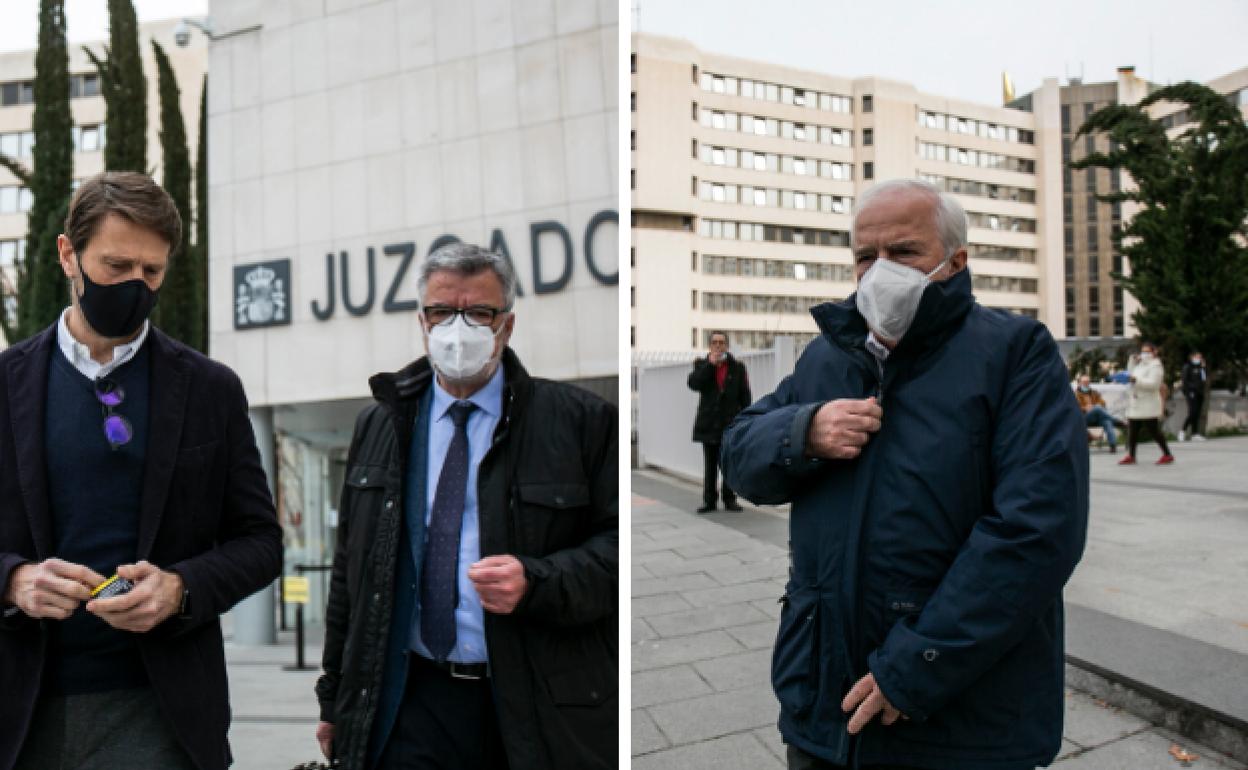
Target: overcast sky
(88, 19)
(958, 48)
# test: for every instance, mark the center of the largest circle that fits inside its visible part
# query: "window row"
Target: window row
(15, 200)
(1005, 283)
(1001, 222)
(23, 91)
(756, 267)
(752, 339)
(753, 231)
(12, 251)
(773, 92)
(770, 196)
(973, 127)
(965, 157)
(21, 144)
(785, 129)
(999, 192)
(770, 161)
(758, 303)
(1003, 253)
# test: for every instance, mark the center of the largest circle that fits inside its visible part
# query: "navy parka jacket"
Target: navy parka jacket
(934, 560)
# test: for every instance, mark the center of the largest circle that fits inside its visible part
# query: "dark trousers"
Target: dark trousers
(1136, 427)
(1194, 405)
(444, 723)
(710, 472)
(800, 760)
(102, 731)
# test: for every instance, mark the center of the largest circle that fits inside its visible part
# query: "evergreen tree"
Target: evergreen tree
(1186, 246)
(181, 294)
(201, 210)
(40, 290)
(125, 91)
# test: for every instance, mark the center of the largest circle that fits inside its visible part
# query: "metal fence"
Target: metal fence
(664, 406)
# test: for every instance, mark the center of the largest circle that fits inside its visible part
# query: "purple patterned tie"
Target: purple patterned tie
(439, 588)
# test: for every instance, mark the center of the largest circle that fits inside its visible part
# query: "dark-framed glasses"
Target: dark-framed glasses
(476, 315)
(116, 428)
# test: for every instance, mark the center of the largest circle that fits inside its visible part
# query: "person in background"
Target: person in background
(1094, 412)
(1194, 378)
(723, 388)
(1144, 403)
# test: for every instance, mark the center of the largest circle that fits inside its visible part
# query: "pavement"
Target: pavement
(1157, 632)
(274, 710)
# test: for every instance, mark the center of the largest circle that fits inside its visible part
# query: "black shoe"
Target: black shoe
(706, 509)
(732, 507)
(1113, 449)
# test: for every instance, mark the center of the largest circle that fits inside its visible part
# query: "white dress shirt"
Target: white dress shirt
(79, 354)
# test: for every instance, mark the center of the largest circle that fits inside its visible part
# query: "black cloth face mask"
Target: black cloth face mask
(115, 309)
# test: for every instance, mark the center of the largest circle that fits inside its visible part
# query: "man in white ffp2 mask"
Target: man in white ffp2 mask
(479, 535)
(935, 466)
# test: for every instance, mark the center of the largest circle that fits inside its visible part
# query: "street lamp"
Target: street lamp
(182, 32)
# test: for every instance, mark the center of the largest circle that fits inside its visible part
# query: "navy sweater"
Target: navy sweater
(94, 492)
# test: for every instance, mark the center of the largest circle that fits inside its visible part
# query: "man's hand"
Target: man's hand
(156, 595)
(500, 583)
(325, 737)
(841, 428)
(51, 589)
(868, 700)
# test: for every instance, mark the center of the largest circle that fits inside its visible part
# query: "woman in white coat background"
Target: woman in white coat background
(1144, 404)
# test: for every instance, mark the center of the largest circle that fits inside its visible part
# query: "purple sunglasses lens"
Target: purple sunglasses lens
(118, 430)
(109, 393)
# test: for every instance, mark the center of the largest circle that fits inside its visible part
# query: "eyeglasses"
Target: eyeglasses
(116, 428)
(476, 315)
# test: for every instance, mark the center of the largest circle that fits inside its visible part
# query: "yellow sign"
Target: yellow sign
(295, 590)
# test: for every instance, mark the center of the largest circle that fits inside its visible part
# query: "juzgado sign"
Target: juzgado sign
(263, 296)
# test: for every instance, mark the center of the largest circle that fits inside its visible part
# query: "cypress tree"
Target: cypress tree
(201, 210)
(125, 91)
(180, 309)
(40, 282)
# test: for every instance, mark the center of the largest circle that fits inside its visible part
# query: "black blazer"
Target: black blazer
(206, 513)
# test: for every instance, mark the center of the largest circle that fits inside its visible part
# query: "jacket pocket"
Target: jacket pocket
(548, 518)
(795, 659)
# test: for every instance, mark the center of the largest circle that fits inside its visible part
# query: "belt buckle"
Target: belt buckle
(456, 673)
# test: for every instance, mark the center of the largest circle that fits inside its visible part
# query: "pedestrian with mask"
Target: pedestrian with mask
(473, 603)
(1194, 378)
(1145, 407)
(936, 465)
(123, 453)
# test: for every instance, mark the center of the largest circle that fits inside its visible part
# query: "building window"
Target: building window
(694, 116)
(18, 92)
(1066, 119)
(632, 296)
(1091, 208)
(632, 101)
(693, 261)
(868, 170)
(693, 338)
(18, 144)
(867, 103)
(868, 137)
(632, 179)
(694, 299)
(15, 200)
(1091, 237)
(632, 141)
(1094, 268)
(632, 63)
(12, 252)
(84, 85)
(632, 256)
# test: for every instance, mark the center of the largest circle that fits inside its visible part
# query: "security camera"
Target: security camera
(182, 34)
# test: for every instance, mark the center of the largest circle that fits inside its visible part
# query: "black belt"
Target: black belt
(458, 670)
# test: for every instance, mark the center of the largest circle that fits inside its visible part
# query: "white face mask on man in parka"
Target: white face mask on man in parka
(459, 350)
(889, 294)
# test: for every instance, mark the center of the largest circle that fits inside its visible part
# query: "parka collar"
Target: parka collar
(941, 310)
(413, 380)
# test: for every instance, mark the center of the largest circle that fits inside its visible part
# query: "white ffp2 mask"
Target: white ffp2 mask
(889, 294)
(459, 351)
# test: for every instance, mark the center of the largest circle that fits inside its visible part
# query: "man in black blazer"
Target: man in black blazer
(122, 452)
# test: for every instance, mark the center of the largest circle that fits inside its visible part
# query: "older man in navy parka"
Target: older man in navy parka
(937, 467)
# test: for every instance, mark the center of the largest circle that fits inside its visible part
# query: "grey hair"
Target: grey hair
(467, 259)
(950, 216)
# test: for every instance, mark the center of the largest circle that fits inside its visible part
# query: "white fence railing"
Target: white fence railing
(664, 406)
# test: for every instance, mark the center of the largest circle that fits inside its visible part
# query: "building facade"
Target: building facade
(349, 140)
(744, 175)
(17, 73)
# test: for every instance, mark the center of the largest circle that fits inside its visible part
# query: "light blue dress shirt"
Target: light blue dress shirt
(469, 620)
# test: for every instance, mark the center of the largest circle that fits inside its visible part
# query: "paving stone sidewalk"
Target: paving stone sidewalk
(704, 612)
